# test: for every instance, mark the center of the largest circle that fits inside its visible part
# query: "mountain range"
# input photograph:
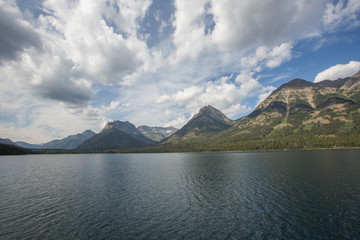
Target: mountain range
(157, 133)
(70, 142)
(147, 135)
(297, 115)
(117, 135)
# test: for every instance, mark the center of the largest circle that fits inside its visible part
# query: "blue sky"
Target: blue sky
(68, 66)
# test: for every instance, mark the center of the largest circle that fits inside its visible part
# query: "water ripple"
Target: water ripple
(284, 195)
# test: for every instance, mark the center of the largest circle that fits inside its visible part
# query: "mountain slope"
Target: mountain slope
(301, 114)
(20, 144)
(206, 123)
(28, 145)
(130, 129)
(70, 142)
(156, 133)
(112, 139)
(7, 141)
(297, 115)
(116, 135)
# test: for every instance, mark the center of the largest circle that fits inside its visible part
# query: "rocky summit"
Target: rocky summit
(301, 114)
(297, 115)
(156, 133)
(117, 135)
(208, 122)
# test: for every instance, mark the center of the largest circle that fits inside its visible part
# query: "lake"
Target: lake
(262, 195)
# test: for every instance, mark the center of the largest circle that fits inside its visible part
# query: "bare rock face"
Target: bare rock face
(126, 127)
(157, 133)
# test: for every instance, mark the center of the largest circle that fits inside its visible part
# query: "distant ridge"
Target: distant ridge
(70, 142)
(117, 135)
(156, 133)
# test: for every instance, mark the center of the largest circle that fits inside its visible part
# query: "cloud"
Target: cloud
(186, 96)
(75, 95)
(189, 37)
(224, 93)
(343, 15)
(54, 79)
(279, 54)
(163, 99)
(267, 57)
(209, 26)
(83, 43)
(244, 24)
(37, 121)
(99, 38)
(93, 61)
(48, 76)
(16, 34)
(338, 71)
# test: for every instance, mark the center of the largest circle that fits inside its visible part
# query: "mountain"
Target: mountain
(28, 145)
(70, 142)
(7, 141)
(297, 115)
(300, 114)
(19, 144)
(117, 135)
(126, 127)
(208, 122)
(157, 133)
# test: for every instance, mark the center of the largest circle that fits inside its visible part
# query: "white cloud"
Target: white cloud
(279, 54)
(64, 55)
(343, 15)
(40, 121)
(338, 71)
(163, 99)
(245, 24)
(189, 37)
(225, 94)
(186, 97)
(242, 25)
(97, 49)
(178, 121)
(268, 57)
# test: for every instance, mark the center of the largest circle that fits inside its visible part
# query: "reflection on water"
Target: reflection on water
(280, 195)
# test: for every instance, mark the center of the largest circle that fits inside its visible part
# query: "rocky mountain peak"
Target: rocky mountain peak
(126, 127)
(207, 122)
(88, 133)
(212, 113)
(296, 83)
(156, 133)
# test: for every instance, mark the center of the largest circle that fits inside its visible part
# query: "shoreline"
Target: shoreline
(143, 151)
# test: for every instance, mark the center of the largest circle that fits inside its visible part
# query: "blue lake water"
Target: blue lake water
(267, 195)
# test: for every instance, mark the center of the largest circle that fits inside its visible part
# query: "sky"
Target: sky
(68, 66)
